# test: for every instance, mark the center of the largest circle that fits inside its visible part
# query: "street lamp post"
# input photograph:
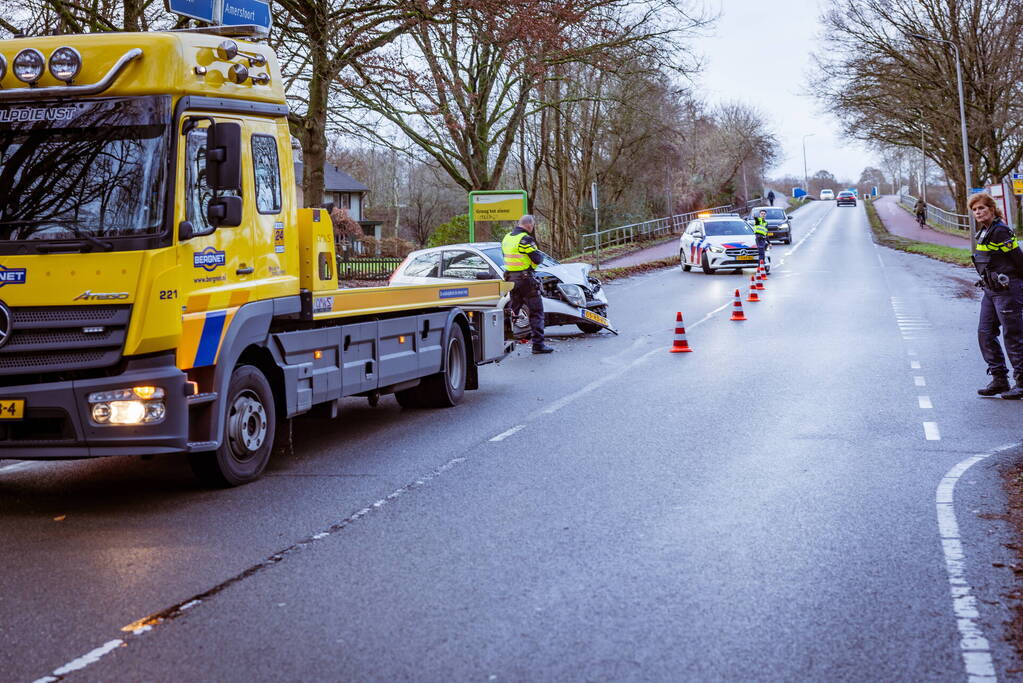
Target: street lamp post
(962, 124)
(806, 178)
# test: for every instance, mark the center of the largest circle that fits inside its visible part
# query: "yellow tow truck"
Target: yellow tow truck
(160, 290)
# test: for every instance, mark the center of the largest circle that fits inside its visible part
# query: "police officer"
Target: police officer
(999, 261)
(521, 257)
(760, 229)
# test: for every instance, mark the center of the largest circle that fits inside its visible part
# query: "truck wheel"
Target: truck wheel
(446, 388)
(250, 423)
(409, 398)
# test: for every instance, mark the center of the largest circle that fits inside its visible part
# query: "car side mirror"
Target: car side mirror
(485, 275)
(224, 156)
(224, 211)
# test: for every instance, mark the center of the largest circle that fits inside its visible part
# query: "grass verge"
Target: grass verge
(610, 274)
(960, 257)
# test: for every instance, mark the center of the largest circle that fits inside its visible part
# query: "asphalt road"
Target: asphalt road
(763, 508)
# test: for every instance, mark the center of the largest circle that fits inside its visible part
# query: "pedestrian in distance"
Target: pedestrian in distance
(999, 262)
(521, 257)
(921, 213)
(760, 230)
(770, 197)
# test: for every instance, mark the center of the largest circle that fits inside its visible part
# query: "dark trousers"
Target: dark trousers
(1002, 313)
(527, 292)
(762, 248)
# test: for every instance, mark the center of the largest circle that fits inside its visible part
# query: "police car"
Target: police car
(722, 241)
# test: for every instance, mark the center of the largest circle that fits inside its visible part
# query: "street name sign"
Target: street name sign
(203, 10)
(245, 12)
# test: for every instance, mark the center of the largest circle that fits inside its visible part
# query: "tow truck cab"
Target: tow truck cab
(160, 289)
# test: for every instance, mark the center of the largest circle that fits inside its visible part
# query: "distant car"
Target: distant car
(846, 197)
(827, 194)
(779, 225)
(571, 296)
(720, 242)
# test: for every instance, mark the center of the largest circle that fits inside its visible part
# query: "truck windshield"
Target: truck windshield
(82, 169)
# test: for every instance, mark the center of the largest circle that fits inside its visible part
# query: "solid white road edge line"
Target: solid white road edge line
(974, 646)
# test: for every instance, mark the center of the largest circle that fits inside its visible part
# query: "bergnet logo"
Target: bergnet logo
(209, 259)
(12, 276)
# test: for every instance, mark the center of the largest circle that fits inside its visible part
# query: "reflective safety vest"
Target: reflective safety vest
(760, 226)
(516, 254)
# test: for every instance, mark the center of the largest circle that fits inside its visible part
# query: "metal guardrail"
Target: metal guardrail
(657, 227)
(938, 216)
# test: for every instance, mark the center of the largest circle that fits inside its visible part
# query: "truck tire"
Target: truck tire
(446, 388)
(250, 423)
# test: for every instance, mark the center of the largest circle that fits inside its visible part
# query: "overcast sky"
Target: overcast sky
(759, 52)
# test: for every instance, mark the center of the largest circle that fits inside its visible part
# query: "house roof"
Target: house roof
(334, 179)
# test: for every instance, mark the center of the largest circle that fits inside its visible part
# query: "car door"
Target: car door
(691, 245)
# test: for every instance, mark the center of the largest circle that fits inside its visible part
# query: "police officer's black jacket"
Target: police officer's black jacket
(998, 251)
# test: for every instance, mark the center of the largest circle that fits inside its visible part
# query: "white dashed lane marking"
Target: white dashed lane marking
(931, 432)
(925, 402)
(504, 435)
(919, 381)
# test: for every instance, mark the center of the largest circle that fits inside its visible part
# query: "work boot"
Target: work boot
(1016, 393)
(998, 385)
(542, 348)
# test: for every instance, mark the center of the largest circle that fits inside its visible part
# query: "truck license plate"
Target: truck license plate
(590, 315)
(745, 258)
(12, 408)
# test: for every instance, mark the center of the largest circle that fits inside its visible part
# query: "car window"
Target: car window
(694, 227)
(774, 214)
(424, 265)
(464, 265)
(717, 228)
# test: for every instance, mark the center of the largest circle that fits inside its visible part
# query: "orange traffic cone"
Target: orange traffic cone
(737, 313)
(759, 277)
(753, 289)
(680, 345)
(763, 269)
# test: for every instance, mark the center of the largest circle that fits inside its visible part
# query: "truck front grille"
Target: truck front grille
(64, 338)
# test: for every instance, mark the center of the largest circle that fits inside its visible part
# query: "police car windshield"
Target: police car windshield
(717, 228)
(82, 170)
(497, 256)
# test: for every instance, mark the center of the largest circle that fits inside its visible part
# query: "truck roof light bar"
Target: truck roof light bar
(73, 90)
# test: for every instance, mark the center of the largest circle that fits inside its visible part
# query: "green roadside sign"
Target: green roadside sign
(495, 205)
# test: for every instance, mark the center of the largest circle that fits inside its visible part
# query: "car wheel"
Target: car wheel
(682, 260)
(250, 423)
(706, 266)
(788, 240)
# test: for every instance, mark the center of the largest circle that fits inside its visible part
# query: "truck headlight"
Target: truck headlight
(28, 65)
(65, 63)
(137, 405)
(574, 294)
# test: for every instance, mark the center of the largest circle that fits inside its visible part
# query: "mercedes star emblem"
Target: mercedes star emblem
(6, 323)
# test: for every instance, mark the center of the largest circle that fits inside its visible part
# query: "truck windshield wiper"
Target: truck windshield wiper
(69, 225)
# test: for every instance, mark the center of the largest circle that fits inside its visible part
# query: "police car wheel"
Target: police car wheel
(446, 388)
(250, 425)
(706, 266)
(682, 261)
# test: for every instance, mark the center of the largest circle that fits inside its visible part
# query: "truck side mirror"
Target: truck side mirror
(224, 156)
(224, 211)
